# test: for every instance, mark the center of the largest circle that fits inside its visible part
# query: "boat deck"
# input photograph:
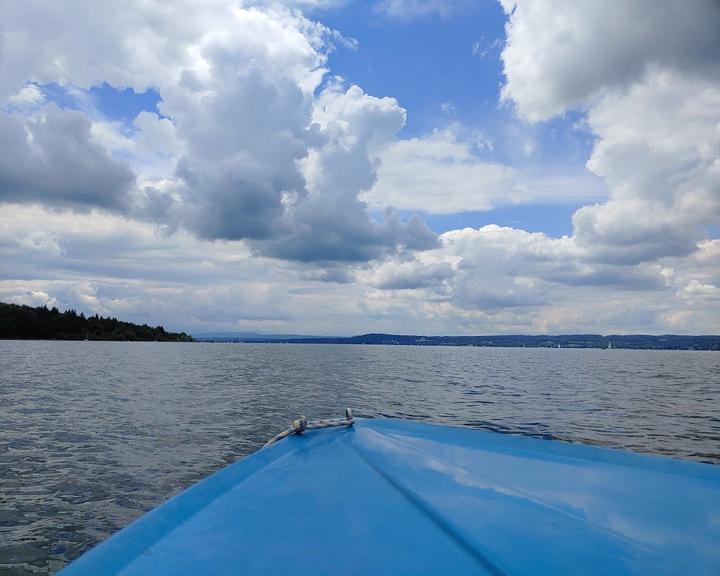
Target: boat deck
(398, 497)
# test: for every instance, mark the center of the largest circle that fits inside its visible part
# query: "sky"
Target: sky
(339, 167)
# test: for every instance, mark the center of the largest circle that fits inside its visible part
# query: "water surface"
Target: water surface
(92, 434)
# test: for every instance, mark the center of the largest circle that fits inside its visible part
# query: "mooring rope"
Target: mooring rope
(301, 424)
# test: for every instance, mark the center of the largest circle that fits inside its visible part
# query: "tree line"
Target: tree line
(18, 322)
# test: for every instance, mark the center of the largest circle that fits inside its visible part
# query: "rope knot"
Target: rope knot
(300, 425)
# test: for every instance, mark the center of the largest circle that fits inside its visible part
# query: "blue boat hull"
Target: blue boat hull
(397, 497)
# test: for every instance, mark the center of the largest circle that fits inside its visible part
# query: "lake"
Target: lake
(92, 434)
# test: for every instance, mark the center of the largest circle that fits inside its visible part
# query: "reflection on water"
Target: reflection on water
(92, 434)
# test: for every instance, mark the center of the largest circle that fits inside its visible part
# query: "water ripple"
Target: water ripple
(94, 434)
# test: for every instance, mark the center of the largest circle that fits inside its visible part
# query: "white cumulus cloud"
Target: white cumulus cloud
(562, 53)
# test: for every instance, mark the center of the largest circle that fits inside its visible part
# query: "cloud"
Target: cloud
(40, 241)
(293, 194)
(488, 280)
(437, 174)
(121, 43)
(30, 298)
(245, 149)
(647, 78)
(640, 261)
(658, 151)
(410, 275)
(28, 97)
(156, 135)
(137, 271)
(241, 111)
(331, 223)
(500, 279)
(442, 174)
(51, 157)
(250, 197)
(695, 290)
(561, 53)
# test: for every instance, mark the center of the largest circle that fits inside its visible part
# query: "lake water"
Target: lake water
(92, 434)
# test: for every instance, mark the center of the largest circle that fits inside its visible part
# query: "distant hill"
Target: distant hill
(633, 341)
(243, 336)
(27, 323)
